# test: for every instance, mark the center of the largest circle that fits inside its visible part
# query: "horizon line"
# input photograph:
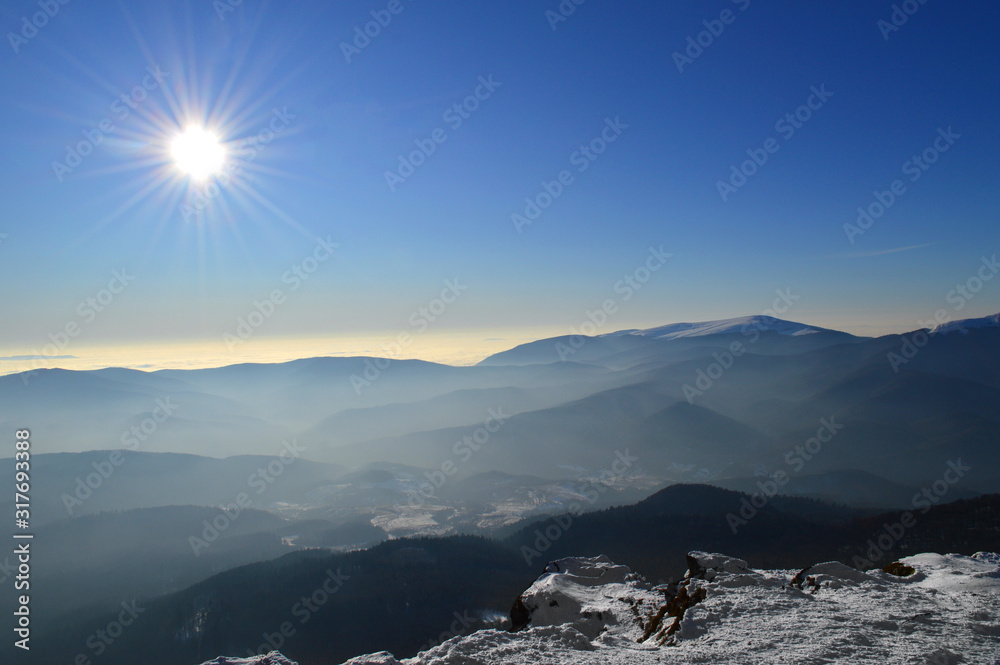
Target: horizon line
(211, 360)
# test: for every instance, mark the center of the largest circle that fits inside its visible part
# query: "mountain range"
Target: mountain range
(725, 401)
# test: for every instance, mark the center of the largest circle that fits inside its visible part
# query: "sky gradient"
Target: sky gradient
(313, 236)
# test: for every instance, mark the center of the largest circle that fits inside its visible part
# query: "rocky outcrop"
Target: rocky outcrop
(703, 568)
(590, 611)
(273, 658)
(832, 575)
(590, 594)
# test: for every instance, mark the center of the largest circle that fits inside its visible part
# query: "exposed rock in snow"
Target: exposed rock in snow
(930, 609)
(831, 575)
(590, 595)
(705, 566)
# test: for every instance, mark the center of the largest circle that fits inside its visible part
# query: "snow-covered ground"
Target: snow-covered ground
(946, 610)
(724, 326)
(967, 324)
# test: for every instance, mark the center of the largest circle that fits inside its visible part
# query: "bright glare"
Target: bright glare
(198, 153)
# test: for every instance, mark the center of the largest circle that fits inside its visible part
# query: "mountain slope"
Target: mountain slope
(740, 325)
(74, 484)
(965, 325)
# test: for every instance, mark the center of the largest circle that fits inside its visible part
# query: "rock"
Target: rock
(831, 574)
(587, 593)
(705, 566)
(380, 658)
(899, 569)
(520, 615)
(591, 571)
(943, 657)
(988, 557)
(273, 658)
(667, 620)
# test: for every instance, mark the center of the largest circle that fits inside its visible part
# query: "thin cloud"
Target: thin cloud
(882, 252)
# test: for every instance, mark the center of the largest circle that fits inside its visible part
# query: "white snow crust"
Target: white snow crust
(742, 325)
(590, 611)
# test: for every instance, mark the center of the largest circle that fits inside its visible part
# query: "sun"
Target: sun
(198, 153)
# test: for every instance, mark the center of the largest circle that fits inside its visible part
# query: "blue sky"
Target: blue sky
(347, 123)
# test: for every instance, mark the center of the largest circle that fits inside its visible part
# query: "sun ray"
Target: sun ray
(182, 158)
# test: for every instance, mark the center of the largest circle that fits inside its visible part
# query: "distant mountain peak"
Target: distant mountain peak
(965, 325)
(743, 324)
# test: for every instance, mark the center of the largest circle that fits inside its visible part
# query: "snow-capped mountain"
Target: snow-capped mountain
(928, 608)
(741, 324)
(967, 324)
